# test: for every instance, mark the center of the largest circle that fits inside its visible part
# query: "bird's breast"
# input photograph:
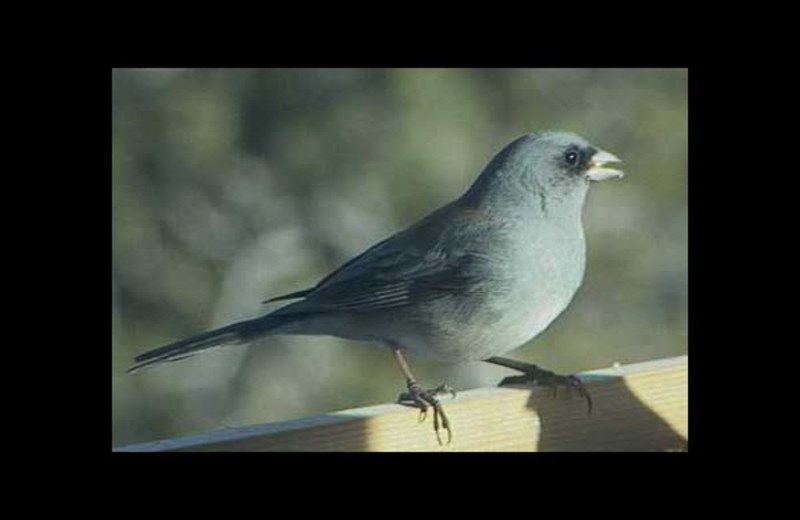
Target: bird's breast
(523, 292)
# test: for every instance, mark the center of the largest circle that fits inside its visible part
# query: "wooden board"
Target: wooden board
(638, 407)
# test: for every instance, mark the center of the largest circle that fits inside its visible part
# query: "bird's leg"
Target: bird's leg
(422, 399)
(539, 376)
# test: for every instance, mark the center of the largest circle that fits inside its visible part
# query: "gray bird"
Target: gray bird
(476, 278)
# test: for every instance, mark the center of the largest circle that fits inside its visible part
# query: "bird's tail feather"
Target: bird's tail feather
(240, 332)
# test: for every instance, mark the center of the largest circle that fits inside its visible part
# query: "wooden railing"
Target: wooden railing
(638, 407)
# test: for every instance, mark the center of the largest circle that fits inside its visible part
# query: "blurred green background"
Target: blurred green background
(230, 186)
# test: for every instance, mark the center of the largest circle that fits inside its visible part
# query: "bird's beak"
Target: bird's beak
(597, 170)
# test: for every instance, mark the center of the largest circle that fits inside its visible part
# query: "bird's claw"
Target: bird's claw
(541, 377)
(424, 399)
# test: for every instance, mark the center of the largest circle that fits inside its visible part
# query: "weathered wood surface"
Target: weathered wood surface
(638, 407)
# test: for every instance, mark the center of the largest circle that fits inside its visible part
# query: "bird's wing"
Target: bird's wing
(431, 259)
(347, 265)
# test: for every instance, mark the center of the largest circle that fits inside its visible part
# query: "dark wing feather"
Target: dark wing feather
(305, 292)
(290, 296)
(431, 259)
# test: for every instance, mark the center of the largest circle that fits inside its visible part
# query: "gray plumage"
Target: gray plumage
(474, 279)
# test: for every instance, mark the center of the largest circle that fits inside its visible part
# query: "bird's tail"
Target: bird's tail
(240, 332)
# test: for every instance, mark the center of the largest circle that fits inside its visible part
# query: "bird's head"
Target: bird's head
(551, 166)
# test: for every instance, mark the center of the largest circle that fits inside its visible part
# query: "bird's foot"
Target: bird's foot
(424, 399)
(541, 377)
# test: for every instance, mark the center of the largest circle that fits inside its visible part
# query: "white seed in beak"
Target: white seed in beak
(597, 172)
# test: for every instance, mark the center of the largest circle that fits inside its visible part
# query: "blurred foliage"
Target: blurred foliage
(230, 186)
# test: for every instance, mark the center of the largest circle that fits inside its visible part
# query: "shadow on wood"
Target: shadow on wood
(620, 421)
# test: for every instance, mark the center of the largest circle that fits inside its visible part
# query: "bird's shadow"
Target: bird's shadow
(619, 420)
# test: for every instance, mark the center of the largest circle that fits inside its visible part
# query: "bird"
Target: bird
(475, 279)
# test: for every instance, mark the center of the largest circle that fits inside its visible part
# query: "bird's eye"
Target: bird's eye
(572, 157)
